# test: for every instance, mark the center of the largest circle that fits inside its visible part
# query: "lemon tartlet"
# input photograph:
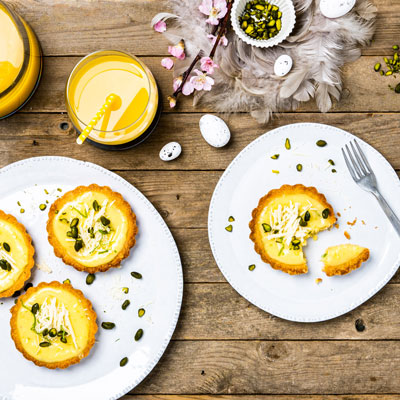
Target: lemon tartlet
(91, 228)
(283, 221)
(344, 258)
(16, 255)
(53, 325)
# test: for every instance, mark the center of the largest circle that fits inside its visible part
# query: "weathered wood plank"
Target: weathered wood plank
(364, 89)
(290, 367)
(261, 397)
(36, 135)
(77, 27)
(218, 312)
(197, 259)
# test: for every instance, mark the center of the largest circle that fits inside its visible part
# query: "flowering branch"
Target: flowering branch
(204, 81)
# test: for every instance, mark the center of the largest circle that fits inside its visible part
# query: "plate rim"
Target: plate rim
(177, 261)
(248, 296)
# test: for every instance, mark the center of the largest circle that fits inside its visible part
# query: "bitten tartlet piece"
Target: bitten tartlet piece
(16, 255)
(344, 258)
(283, 221)
(91, 228)
(53, 325)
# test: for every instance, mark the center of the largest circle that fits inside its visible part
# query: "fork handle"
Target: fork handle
(388, 211)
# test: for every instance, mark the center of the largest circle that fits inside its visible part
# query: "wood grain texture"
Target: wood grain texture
(363, 89)
(77, 27)
(40, 134)
(218, 312)
(280, 367)
(261, 397)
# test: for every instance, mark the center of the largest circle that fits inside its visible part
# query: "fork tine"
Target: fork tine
(354, 163)
(349, 167)
(369, 169)
(360, 163)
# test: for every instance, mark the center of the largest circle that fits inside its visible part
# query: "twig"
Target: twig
(222, 27)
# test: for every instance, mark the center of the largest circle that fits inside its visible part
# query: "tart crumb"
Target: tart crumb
(338, 214)
(318, 281)
(352, 223)
(337, 226)
(363, 222)
(347, 235)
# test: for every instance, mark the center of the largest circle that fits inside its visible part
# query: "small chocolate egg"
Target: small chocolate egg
(336, 8)
(214, 130)
(170, 151)
(283, 65)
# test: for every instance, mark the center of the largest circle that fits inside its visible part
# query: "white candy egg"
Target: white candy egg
(170, 151)
(336, 8)
(283, 65)
(214, 130)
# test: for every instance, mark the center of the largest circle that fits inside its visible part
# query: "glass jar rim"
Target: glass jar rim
(106, 53)
(25, 42)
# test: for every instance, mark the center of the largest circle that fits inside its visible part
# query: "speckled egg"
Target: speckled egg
(283, 65)
(170, 151)
(214, 130)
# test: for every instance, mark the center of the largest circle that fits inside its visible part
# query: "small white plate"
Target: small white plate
(155, 256)
(249, 177)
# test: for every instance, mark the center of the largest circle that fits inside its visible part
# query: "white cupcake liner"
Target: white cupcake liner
(288, 21)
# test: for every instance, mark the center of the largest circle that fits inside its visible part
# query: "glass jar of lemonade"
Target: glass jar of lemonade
(135, 109)
(20, 62)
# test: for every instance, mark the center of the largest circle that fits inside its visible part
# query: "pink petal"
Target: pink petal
(205, 7)
(177, 83)
(188, 88)
(160, 26)
(212, 20)
(167, 63)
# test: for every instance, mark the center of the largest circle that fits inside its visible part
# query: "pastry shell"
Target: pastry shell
(255, 236)
(348, 266)
(90, 314)
(59, 249)
(26, 273)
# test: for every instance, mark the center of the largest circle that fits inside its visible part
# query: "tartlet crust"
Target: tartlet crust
(119, 202)
(26, 273)
(348, 266)
(90, 314)
(263, 202)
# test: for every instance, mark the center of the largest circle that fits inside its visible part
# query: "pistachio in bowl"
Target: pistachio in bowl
(261, 20)
(263, 23)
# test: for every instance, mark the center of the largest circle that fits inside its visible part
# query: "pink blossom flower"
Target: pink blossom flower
(188, 88)
(215, 9)
(201, 81)
(178, 50)
(172, 101)
(160, 26)
(222, 42)
(177, 82)
(208, 65)
(167, 63)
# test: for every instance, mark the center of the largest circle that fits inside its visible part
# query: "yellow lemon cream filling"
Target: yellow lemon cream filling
(13, 261)
(286, 224)
(344, 253)
(53, 325)
(91, 228)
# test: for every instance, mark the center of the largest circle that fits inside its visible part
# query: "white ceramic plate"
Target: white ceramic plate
(155, 256)
(249, 177)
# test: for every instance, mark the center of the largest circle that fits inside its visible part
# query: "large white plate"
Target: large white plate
(155, 256)
(249, 177)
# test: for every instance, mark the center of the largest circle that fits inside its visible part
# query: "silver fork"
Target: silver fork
(364, 176)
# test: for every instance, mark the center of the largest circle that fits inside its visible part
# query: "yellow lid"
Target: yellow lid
(11, 49)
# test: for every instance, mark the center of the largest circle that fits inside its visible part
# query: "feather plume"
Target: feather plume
(246, 81)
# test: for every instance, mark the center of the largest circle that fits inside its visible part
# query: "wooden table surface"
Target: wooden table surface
(223, 347)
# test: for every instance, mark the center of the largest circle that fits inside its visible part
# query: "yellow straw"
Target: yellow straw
(111, 100)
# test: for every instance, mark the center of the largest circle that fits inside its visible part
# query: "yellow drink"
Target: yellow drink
(112, 73)
(20, 61)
